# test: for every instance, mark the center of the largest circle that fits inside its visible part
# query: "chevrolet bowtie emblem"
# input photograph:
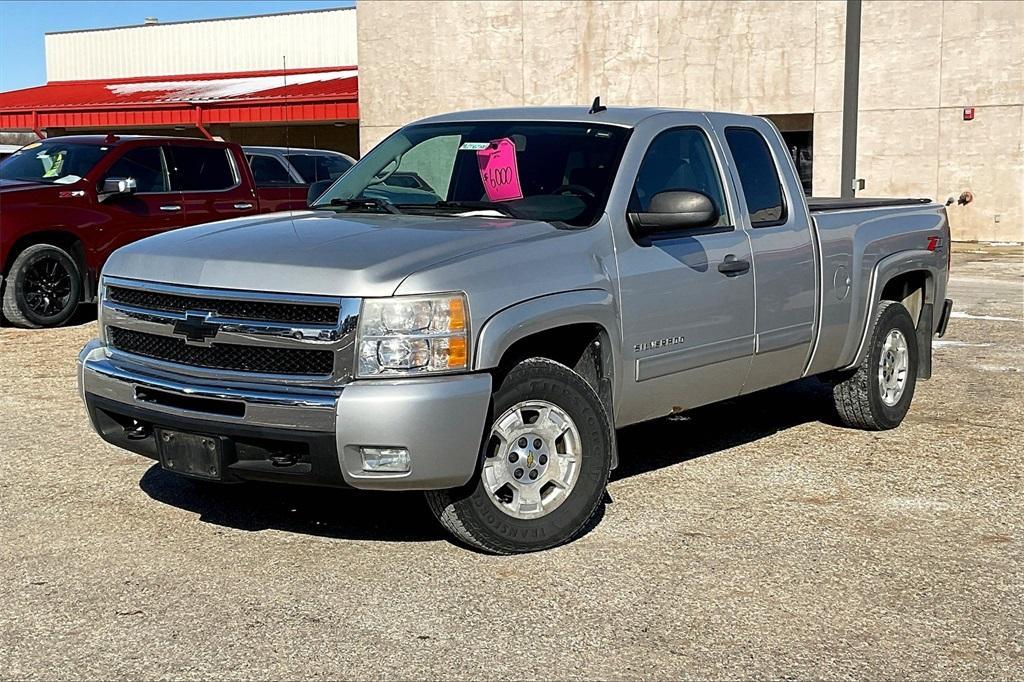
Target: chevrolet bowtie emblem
(195, 328)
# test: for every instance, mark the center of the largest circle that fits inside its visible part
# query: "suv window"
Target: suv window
(315, 167)
(146, 166)
(266, 170)
(199, 169)
(679, 159)
(758, 176)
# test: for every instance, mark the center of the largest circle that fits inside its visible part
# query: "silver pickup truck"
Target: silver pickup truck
(478, 304)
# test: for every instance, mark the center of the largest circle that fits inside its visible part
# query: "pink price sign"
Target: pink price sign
(499, 172)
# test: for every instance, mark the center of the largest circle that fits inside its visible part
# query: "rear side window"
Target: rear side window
(146, 166)
(758, 176)
(266, 170)
(316, 167)
(201, 169)
(679, 159)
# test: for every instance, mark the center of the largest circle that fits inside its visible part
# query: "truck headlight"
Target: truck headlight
(413, 335)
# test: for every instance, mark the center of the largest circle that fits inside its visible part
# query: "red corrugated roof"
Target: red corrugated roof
(264, 96)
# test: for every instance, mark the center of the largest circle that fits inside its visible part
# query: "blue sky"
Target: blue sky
(22, 24)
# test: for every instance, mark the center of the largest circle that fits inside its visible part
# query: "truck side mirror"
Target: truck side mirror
(316, 190)
(675, 210)
(113, 187)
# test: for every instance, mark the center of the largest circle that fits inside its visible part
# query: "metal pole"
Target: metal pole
(851, 86)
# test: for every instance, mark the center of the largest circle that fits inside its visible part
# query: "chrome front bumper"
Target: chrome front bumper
(440, 420)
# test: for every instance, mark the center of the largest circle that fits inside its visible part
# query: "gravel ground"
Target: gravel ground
(749, 539)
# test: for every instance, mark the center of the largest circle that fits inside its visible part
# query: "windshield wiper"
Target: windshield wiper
(504, 209)
(362, 204)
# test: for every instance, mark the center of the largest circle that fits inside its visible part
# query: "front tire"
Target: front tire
(546, 462)
(43, 288)
(877, 396)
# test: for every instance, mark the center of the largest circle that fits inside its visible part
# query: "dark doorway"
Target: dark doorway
(798, 133)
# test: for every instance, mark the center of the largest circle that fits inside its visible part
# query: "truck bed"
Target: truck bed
(819, 204)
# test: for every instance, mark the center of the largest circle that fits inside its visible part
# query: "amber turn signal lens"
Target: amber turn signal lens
(457, 352)
(457, 312)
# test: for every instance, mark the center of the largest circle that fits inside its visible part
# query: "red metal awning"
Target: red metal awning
(322, 94)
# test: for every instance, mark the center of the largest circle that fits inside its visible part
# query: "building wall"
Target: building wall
(305, 39)
(921, 63)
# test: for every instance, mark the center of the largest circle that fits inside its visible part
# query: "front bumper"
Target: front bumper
(440, 420)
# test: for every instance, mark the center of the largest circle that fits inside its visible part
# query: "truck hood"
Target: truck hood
(9, 187)
(314, 252)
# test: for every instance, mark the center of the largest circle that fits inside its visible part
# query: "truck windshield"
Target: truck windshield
(555, 172)
(51, 161)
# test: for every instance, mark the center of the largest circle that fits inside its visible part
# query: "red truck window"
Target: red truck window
(201, 169)
(146, 166)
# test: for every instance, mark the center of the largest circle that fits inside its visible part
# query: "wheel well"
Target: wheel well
(910, 289)
(65, 240)
(585, 347)
(567, 345)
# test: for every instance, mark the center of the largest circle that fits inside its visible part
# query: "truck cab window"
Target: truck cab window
(679, 159)
(146, 166)
(201, 169)
(759, 177)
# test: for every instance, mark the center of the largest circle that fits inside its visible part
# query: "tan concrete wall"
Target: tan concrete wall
(921, 63)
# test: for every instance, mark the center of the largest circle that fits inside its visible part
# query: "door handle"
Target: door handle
(732, 266)
(243, 205)
(170, 208)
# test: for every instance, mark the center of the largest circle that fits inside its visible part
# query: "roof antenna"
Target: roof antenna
(597, 107)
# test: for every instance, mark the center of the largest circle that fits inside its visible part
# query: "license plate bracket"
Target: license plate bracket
(191, 454)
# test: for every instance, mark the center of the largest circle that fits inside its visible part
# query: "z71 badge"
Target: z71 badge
(658, 343)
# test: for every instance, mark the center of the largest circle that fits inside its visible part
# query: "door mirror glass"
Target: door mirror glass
(675, 210)
(316, 190)
(113, 187)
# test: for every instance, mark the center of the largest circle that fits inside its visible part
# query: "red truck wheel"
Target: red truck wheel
(43, 288)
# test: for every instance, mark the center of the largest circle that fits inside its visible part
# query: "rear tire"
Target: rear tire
(545, 464)
(877, 395)
(43, 288)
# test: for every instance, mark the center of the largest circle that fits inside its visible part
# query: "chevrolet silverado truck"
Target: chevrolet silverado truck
(67, 203)
(552, 275)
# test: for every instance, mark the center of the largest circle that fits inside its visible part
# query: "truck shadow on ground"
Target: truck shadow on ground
(405, 517)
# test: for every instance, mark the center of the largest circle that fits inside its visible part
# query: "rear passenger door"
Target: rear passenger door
(153, 208)
(785, 275)
(210, 183)
(687, 317)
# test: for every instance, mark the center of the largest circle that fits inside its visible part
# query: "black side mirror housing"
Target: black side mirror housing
(316, 190)
(675, 210)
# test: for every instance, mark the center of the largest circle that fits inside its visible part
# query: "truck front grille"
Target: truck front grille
(298, 339)
(264, 311)
(235, 358)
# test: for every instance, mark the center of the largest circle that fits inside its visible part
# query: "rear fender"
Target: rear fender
(918, 260)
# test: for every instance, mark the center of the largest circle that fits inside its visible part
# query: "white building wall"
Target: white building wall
(305, 39)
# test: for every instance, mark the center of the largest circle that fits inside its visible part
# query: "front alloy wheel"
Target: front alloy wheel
(545, 464)
(43, 287)
(533, 461)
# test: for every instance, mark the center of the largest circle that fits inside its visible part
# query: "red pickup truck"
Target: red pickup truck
(67, 203)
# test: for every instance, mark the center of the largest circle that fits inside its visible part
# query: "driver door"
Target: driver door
(153, 208)
(687, 320)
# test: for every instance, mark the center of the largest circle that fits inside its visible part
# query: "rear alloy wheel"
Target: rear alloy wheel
(43, 289)
(545, 464)
(877, 395)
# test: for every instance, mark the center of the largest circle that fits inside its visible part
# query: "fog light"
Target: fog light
(394, 460)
